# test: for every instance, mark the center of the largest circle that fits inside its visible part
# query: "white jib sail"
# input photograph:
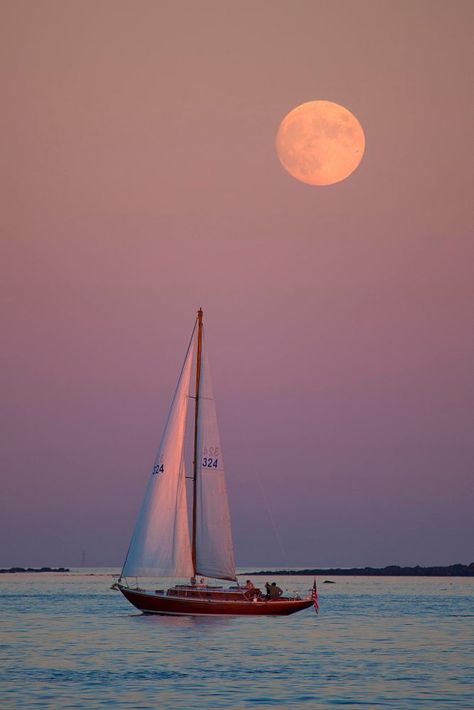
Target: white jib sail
(214, 548)
(160, 544)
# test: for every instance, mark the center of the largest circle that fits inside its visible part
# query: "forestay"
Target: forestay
(160, 544)
(214, 548)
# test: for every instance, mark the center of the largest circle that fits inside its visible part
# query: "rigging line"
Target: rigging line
(272, 521)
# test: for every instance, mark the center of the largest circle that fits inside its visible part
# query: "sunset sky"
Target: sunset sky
(140, 181)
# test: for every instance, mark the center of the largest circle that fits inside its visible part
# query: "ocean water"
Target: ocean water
(68, 641)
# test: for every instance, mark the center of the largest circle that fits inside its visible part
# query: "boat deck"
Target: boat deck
(197, 591)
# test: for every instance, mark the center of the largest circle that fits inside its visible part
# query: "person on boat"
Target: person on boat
(273, 592)
(249, 584)
(193, 581)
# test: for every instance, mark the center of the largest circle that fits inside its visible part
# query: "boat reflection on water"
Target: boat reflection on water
(184, 621)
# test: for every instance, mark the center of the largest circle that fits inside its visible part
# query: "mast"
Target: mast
(196, 412)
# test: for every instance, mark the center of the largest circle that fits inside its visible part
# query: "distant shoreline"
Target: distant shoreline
(14, 570)
(456, 570)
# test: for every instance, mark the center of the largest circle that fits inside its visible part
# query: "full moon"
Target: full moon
(320, 143)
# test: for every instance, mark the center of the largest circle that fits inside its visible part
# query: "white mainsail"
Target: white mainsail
(160, 544)
(214, 548)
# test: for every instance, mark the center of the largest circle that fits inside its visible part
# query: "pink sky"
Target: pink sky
(140, 181)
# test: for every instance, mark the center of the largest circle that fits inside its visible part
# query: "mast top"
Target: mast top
(200, 314)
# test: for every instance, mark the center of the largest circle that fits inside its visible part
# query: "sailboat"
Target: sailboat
(177, 539)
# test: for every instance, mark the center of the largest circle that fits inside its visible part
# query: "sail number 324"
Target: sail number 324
(210, 457)
(209, 462)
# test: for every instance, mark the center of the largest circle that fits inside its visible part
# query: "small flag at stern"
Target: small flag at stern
(314, 597)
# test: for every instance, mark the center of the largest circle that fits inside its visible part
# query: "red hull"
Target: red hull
(150, 603)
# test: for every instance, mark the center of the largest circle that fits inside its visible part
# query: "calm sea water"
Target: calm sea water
(67, 641)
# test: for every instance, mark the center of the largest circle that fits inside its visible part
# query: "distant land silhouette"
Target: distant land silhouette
(456, 570)
(13, 570)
